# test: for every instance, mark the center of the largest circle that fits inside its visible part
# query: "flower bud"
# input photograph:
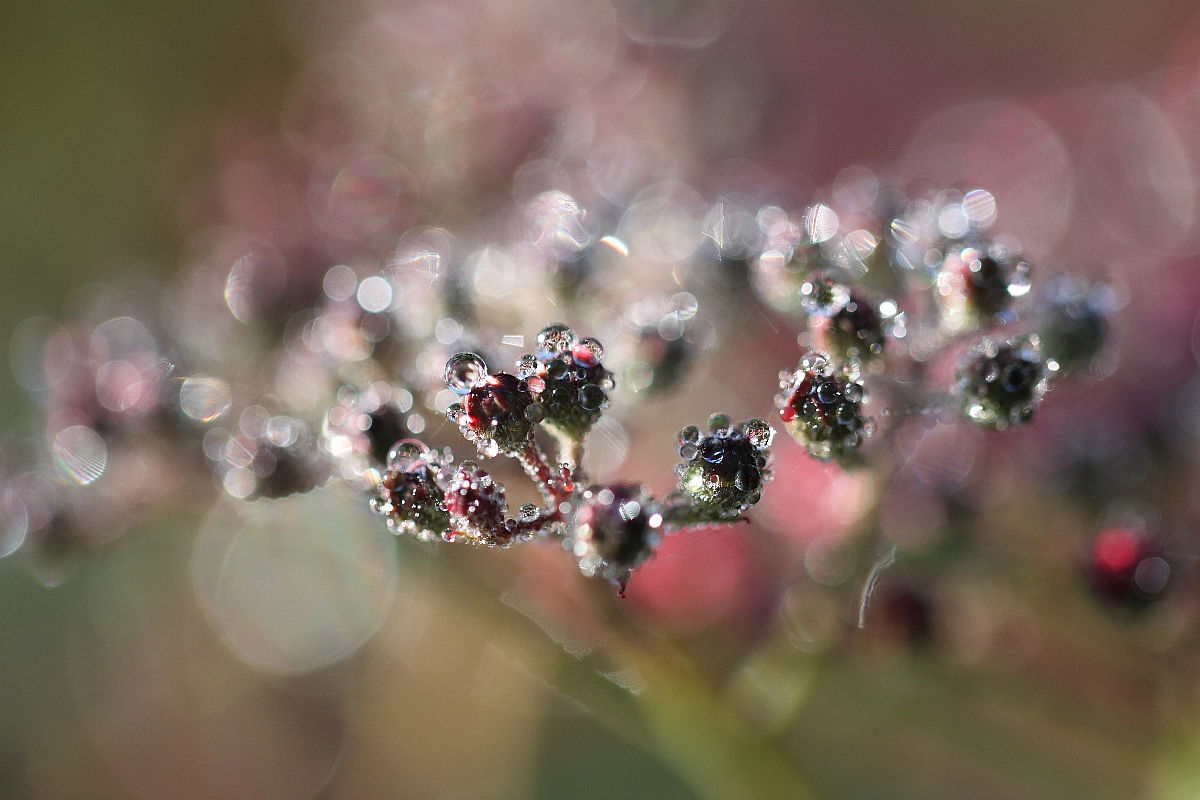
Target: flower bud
(822, 408)
(1002, 384)
(722, 474)
(615, 529)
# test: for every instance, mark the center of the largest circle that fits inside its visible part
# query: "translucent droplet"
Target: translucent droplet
(406, 454)
(759, 433)
(717, 423)
(80, 453)
(591, 397)
(688, 451)
(828, 392)
(846, 413)
(535, 412)
(527, 365)
(204, 399)
(853, 392)
(488, 448)
(453, 412)
(587, 352)
(529, 512)
(747, 479)
(464, 371)
(555, 339)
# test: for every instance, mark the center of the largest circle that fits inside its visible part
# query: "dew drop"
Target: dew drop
(464, 371)
(406, 454)
(718, 423)
(554, 339)
(759, 433)
(488, 448)
(587, 352)
(591, 396)
(828, 392)
(527, 365)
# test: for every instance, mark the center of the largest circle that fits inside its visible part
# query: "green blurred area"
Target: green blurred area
(94, 100)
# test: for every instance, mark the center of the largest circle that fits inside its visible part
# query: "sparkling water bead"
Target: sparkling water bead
(464, 371)
(759, 433)
(527, 365)
(553, 340)
(1002, 384)
(614, 531)
(823, 412)
(726, 476)
(976, 289)
(587, 352)
(496, 412)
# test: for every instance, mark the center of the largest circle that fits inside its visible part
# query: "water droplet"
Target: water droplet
(718, 423)
(712, 450)
(846, 413)
(688, 451)
(853, 392)
(828, 392)
(527, 365)
(407, 454)
(759, 433)
(748, 478)
(591, 397)
(535, 412)
(464, 371)
(488, 448)
(529, 512)
(587, 352)
(554, 339)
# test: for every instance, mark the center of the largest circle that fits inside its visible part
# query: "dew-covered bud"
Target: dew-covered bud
(1125, 567)
(822, 408)
(854, 331)
(616, 528)
(820, 294)
(976, 289)
(476, 505)
(360, 430)
(1075, 321)
(495, 412)
(570, 384)
(282, 458)
(1002, 383)
(722, 474)
(410, 496)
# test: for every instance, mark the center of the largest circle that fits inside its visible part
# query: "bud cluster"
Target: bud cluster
(562, 388)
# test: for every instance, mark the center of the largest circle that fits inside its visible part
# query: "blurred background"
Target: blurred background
(128, 129)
